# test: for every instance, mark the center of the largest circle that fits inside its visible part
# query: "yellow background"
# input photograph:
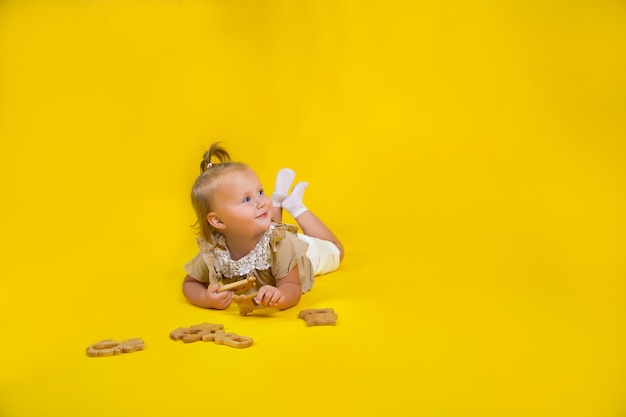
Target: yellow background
(470, 154)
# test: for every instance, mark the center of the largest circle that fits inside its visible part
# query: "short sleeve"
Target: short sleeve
(199, 267)
(289, 252)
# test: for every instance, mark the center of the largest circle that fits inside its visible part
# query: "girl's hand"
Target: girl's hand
(269, 296)
(218, 300)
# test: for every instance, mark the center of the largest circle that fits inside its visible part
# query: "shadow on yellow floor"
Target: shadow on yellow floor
(470, 158)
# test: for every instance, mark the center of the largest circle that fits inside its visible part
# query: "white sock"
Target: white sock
(293, 203)
(284, 178)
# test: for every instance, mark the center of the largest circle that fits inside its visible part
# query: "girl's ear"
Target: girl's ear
(215, 221)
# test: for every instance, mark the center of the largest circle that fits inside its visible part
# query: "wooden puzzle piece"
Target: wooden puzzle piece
(194, 333)
(111, 347)
(232, 340)
(246, 303)
(240, 286)
(319, 317)
(208, 332)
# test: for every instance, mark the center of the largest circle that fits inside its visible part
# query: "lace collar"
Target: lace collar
(258, 258)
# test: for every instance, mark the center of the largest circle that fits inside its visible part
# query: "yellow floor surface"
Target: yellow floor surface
(469, 154)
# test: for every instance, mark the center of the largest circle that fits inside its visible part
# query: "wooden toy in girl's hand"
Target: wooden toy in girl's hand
(240, 286)
(246, 303)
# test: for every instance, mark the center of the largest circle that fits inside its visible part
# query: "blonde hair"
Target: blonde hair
(205, 185)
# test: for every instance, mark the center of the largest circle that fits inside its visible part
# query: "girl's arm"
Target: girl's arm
(201, 295)
(285, 294)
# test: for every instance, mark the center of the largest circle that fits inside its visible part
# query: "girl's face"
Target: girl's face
(241, 207)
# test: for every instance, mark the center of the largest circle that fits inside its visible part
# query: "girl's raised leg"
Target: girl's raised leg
(310, 224)
(284, 178)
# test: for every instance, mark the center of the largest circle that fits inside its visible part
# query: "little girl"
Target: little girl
(241, 236)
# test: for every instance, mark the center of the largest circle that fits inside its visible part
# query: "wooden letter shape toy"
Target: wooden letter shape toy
(195, 332)
(110, 347)
(319, 317)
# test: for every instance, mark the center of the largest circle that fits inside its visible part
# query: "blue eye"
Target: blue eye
(261, 192)
(245, 199)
